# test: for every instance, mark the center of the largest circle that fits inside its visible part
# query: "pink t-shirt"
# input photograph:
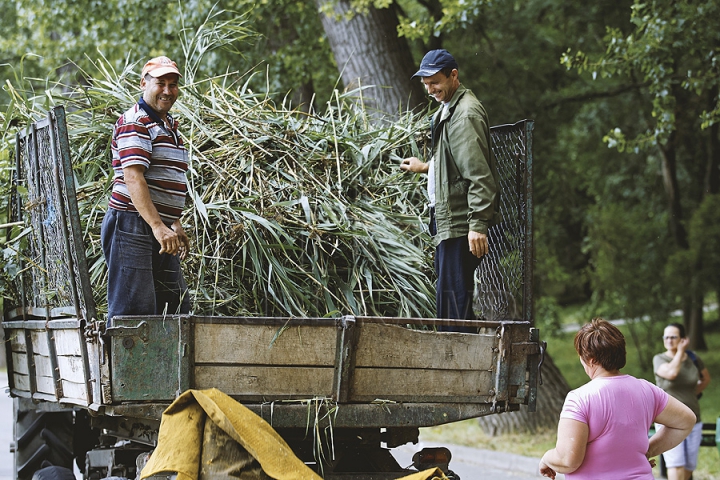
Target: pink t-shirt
(619, 412)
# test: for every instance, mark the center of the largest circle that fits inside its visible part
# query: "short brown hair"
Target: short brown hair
(602, 342)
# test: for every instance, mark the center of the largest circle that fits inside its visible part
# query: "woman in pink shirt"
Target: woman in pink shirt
(603, 427)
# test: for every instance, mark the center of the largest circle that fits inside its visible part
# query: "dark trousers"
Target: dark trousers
(141, 281)
(455, 266)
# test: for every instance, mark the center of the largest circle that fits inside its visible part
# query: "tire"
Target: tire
(41, 439)
(54, 473)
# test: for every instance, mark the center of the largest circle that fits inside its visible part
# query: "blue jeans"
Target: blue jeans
(455, 267)
(141, 281)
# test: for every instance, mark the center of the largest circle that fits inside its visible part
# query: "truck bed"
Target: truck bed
(370, 371)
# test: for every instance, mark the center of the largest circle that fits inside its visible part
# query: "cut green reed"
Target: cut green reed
(290, 213)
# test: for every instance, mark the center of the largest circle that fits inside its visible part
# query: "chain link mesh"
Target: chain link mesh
(500, 280)
(49, 262)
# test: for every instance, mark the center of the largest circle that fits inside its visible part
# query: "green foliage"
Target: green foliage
(60, 40)
(674, 47)
(704, 238)
(422, 20)
(628, 249)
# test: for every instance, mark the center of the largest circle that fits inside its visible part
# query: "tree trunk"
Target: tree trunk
(712, 175)
(551, 396)
(694, 326)
(693, 299)
(368, 51)
(669, 172)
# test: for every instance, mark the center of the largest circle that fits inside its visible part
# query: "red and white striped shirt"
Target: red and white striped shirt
(139, 140)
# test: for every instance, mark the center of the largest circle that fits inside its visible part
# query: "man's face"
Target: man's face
(160, 93)
(440, 87)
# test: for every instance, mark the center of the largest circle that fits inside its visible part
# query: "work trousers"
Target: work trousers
(455, 267)
(141, 281)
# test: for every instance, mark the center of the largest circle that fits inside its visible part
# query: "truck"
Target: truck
(340, 391)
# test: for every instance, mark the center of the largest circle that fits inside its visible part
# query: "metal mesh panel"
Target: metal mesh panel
(54, 278)
(503, 286)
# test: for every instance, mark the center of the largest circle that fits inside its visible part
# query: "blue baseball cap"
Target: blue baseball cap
(434, 61)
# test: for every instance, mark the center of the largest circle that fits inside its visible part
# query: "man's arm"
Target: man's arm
(168, 238)
(469, 136)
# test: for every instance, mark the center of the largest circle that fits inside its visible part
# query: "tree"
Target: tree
(672, 54)
(368, 51)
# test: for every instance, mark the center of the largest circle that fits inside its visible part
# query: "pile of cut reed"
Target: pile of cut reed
(289, 213)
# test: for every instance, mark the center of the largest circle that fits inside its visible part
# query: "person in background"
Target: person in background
(682, 374)
(141, 235)
(462, 184)
(603, 427)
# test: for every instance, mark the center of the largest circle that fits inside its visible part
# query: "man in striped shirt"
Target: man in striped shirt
(142, 238)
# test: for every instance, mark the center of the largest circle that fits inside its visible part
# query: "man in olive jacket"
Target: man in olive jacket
(462, 184)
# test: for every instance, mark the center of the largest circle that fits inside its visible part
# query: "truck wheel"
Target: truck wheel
(54, 473)
(41, 439)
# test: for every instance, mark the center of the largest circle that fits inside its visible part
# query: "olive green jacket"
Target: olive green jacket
(466, 180)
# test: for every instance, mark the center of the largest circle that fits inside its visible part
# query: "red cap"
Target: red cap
(159, 66)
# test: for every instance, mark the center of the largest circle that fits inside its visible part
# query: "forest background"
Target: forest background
(624, 95)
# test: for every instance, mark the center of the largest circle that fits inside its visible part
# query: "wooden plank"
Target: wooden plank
(74, 390)
(267, 382)
(39, 342)
(17, 340)
(382, 345)
(20, 364)
(401, 384)
(22, 382)
(67, 342)
(72, 369)
(45, 385)
(253, 344)
(43, 367)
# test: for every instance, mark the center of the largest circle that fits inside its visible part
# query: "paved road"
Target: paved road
(468, 463)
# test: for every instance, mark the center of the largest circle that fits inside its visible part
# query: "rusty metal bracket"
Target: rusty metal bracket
(141, 330)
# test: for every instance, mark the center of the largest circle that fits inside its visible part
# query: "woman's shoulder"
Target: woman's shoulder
(662, 357)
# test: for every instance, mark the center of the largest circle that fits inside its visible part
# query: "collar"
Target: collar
(155, 115)
(457, 95)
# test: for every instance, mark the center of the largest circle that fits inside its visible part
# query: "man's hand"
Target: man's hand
(167, 238)
(478, 243)
(172, 240)
(184, 247)
(414, 164)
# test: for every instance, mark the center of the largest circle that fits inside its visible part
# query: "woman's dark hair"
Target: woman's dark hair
(603, 343)
(680, 327)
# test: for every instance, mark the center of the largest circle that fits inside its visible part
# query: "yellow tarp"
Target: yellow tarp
(432, 474)
(181, 436)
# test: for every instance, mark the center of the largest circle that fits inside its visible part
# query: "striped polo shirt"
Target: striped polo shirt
(139, 140)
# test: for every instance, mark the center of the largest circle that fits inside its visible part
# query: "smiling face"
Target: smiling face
(160, 93)
(442, 87)
(671, 337)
